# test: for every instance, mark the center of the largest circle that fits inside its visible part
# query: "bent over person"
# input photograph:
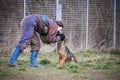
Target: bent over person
(32, 25)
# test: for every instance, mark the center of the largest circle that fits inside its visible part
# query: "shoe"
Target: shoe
(33, 59)
(14, 56)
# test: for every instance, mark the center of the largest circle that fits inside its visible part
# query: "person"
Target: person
(35, 27)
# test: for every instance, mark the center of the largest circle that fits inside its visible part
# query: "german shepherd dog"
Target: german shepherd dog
(65, 55)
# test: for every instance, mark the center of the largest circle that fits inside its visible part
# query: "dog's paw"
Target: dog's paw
(58, 67)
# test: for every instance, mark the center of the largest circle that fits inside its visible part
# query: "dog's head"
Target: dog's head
(61, 44)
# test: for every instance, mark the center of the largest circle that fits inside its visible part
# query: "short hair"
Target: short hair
(60, 23)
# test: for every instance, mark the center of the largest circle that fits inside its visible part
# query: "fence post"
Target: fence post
(87, 25)
(114, 34)
(24, 8)
(58, 14)
(58, 11)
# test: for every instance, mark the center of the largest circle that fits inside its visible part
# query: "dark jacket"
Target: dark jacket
(43, 22)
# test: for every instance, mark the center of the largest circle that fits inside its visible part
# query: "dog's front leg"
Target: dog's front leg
(62, 61)
(58, 62)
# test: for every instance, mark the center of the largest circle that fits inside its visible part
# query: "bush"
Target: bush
(72, 67)
(22, 69)
(115, 52)
(88, 53)
(44, 61)
(102, 66)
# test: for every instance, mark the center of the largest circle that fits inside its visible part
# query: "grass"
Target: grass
(102, 66)
(44, 61)
(72, 67)
(88, 63)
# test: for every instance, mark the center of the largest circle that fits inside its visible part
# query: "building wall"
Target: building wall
(74, 16)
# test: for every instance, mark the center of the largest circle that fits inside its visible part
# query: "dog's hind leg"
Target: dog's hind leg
(73, 60)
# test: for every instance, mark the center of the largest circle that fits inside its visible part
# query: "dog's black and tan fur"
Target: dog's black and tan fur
(65, 55)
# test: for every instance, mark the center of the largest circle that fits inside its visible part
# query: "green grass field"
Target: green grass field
(90, 66)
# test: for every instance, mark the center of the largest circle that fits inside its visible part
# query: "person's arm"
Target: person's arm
(52, 38)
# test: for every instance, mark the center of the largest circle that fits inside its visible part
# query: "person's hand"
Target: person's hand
(58, 38)
(58, 33)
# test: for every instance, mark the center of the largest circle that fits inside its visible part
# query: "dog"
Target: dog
(65, 55)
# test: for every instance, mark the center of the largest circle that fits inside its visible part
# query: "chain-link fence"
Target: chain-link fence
(98, 16)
